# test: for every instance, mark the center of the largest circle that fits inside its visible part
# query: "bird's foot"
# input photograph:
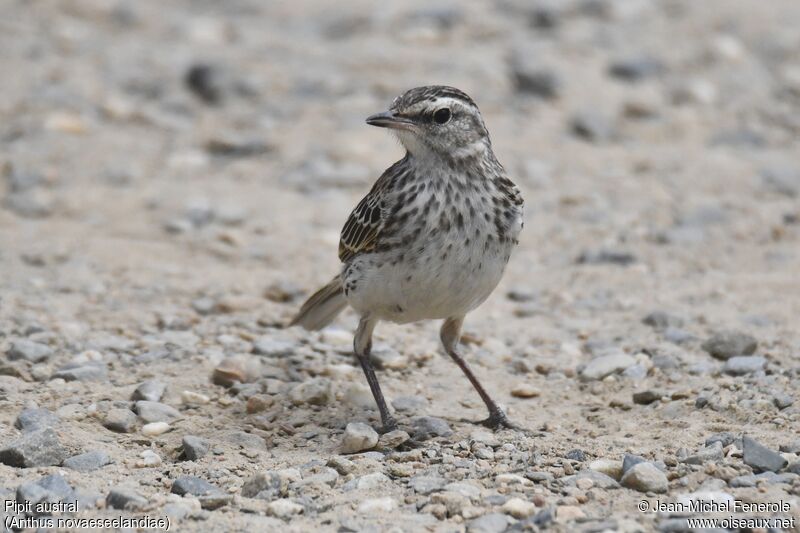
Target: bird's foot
(389, 425)
(497, 420)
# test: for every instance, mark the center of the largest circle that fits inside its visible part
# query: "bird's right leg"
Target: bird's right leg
(362, 345)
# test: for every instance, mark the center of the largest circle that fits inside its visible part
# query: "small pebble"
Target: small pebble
(525, 390)
(358, 437)
(155, 428)
(518, 508)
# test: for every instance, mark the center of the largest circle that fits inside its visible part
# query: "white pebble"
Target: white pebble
(358, 437)
(194, 398)
(377, 505)
(155, 428)
(518, 508)
(148, 458)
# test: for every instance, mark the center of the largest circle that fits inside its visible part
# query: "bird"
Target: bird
(432, 237)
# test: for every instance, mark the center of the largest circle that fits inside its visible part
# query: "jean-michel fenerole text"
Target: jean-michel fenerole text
(721, 506)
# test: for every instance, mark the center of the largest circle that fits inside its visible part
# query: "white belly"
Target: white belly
(437, 283)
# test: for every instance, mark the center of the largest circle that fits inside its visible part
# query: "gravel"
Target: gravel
(636, 68)
(35, 448)
(427, 427)
(314, 392)
(711, 453)
(120, 420)
(168, 198)
(646, 397)
(358, 437)
(743, 365)
(29, 351)
(760, 458)
(595, 127)
(645, 477)
(605, 365)
(194, 486)
(488, 523)
(150, 411)
(49, 489)
(194, 448)
(126, 499)
(727, 344)
(33, 419)
(88, 462)
(151, 391)
(90, 372)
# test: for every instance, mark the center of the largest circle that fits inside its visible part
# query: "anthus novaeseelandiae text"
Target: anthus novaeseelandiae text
(432, 237)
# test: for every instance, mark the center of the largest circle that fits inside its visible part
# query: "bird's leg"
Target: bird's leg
(362, 345)
(450, 334)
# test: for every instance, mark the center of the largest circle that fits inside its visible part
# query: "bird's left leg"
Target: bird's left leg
(362, 345)
(450, 334)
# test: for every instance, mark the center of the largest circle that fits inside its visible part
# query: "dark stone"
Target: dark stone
(35, 448)
(29, 351)
(203, 81)
(646, 397)
(193, 485)
(151, 391)
(593, 126)
(576, 455)
(725, 438)
(195, 448)
(246, 440)
(33, 419)
(50, 489)
(613, 257)
(426, 427)
(635, 68)
(760, 458)
(237, 145)
(120, 420)
(543, 83)
(88, 462)
(630, 460)
(727, 344)
(782, 401)
(662, 320)
(701, 402)
(125, 499)
(88, 372)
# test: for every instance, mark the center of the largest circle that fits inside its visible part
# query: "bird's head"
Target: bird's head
(436, 121)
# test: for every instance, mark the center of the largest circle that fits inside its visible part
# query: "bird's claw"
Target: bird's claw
(496, 421)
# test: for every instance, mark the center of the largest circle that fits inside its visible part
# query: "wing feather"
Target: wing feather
(362, 231)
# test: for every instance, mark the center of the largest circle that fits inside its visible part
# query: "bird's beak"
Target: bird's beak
(388, 119)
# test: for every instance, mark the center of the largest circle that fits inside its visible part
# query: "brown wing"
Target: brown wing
(362, 231)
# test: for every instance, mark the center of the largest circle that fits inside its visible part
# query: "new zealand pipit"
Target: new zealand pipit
(432, 237)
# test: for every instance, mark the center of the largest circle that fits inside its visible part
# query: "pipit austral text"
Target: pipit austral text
(432, 238)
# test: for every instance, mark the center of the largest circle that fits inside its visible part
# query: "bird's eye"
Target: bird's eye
(442, 116)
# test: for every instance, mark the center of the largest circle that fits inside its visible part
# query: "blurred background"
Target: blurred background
(176, 174)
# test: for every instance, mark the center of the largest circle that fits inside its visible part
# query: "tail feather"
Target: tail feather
(322, 307)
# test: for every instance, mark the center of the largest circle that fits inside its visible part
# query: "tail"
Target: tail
(322, 307)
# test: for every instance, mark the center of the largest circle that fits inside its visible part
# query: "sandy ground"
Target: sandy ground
(174, 179)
